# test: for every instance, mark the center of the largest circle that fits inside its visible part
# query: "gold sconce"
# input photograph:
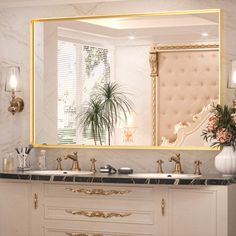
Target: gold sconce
(232, 80)
(12, 84)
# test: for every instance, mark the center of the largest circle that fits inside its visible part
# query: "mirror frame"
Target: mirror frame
(32, 76)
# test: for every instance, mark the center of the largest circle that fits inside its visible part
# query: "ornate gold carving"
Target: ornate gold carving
(98, 191)
(153, 61)
(175, 47)
(82, 234)
(98, 214)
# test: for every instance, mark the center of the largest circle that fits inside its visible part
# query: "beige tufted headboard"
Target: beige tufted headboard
(187, 81)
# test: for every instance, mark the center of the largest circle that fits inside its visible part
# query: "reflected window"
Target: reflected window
(81, 68)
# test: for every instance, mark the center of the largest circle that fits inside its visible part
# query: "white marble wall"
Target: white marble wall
(14, 50)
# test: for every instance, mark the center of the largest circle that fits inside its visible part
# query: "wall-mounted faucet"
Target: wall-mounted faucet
(75, 163)
(178, 167)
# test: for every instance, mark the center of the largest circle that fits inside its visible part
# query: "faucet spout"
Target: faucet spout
(178, 166)
(75, 163)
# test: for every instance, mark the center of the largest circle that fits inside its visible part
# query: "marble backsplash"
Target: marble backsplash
(15, 50)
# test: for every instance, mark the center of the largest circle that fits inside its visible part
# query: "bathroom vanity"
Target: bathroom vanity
(101, 205)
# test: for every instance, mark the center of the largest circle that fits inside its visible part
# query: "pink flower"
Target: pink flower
(234, 117)
(223, 135)
(212, 122)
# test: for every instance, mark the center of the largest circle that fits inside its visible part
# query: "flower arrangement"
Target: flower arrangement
(221, 127)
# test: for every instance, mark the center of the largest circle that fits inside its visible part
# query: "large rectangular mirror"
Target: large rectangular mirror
(139, 80)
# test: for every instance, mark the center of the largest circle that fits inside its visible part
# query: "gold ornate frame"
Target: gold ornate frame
(170, 47)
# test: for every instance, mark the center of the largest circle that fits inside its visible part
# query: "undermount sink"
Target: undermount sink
(58, 172)
(164, 176)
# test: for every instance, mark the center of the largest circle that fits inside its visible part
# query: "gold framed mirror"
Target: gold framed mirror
(144, 61)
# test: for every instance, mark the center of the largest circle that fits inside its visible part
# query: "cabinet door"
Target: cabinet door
(192, 212)
(14, 209)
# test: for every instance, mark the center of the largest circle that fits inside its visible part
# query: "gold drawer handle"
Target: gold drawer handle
(98, 214)
(36, 201)
(163, 207)
(98, 191)
(82, 234)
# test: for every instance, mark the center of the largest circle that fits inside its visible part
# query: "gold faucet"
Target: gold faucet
(197, 167)
(74, 158)
(178, 167)
(159, 166)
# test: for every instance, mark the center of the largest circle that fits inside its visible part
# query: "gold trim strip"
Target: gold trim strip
(98, 214)
(165, 13)
(32, 85)
(98, 191)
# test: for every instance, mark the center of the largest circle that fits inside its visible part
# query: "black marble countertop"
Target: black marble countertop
(118, 179)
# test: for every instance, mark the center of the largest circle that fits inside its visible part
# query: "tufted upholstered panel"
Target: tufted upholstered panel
(187, 81)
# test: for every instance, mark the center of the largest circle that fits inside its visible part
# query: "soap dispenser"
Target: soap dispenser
(42, 160)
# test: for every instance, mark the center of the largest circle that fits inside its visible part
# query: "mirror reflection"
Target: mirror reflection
(137, 80)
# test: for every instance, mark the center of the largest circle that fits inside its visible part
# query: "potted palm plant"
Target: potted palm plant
(108, 105)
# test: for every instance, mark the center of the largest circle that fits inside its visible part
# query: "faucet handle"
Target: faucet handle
(93, 166)
(59, 160)
(197, 167)
(159, 166)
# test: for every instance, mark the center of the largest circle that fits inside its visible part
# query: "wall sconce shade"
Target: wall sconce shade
(13, 85)
(13, 81)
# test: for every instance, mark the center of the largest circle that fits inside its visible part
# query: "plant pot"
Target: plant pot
(225, 161)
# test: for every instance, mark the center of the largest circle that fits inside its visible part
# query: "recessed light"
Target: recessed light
(204, 34)
(131, 37)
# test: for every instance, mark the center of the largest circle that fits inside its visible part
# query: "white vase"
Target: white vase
(225, 161)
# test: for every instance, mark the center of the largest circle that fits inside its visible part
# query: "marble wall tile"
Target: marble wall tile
(14, 48)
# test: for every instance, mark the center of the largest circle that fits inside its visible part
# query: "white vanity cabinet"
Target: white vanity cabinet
(122, 210)
(15, 207)
(198, 211)
(97, 210)
(64, 209)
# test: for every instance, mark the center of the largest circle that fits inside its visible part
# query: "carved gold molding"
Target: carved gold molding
(177, 47)
(98, 191)
(98, 214)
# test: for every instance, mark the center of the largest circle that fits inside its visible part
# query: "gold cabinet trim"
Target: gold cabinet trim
(98, 214)
(82, 234)
(98, 191)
